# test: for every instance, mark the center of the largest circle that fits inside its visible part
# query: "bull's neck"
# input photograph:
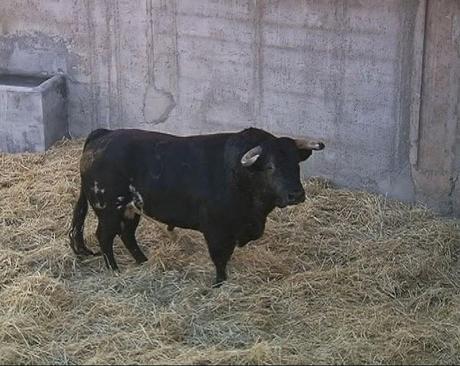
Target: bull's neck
(262, 204)
(250, 198)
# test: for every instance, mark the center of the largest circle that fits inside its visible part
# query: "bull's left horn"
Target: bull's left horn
(309, 145)
(251, 156)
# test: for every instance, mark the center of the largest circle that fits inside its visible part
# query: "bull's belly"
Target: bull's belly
(180, 214)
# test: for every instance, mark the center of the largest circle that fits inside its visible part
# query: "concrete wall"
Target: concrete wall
(436, 161)
(377, 80)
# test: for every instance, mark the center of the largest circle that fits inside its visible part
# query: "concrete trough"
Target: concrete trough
(33, 113)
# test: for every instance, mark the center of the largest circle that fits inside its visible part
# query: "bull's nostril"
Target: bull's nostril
(294, 196)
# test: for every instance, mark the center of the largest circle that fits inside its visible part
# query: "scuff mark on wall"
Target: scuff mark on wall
(338, 72)
(158, 103)
(453, 183)
(258, 61)
(176, 65)
(91, 43)
(108, 45)
(118, 62)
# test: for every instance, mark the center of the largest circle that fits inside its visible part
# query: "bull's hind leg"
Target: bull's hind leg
(105, 233)
(128, 236)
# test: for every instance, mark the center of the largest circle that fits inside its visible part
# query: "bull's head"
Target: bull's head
(274, 165)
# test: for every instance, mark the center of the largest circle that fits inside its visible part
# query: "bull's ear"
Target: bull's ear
(306, 147)
(251, 156)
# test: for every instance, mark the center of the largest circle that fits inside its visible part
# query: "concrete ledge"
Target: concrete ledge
(33, 113)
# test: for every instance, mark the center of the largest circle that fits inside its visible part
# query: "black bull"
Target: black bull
(223, 185)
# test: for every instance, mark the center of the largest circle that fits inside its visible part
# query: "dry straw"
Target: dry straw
(346, 277)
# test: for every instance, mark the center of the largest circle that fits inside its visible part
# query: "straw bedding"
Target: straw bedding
(346, 277)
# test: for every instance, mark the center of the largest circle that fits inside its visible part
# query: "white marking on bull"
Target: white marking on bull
(99, 206)
(98, 192)
(137, 198)
(96, 188)
(136, 205)
(131, 210)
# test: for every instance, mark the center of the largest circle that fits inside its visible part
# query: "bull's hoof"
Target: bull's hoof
(87, 252)
(114, 271)
(141, 260)
(218, 283)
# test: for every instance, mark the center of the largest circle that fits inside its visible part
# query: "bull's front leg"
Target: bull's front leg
(220, 250)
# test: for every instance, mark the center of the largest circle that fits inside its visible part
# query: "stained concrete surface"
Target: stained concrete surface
(21, 80)
(33, 112)
(362, 75)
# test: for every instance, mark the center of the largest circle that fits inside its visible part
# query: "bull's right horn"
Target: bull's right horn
(251, 156)
(309, 145)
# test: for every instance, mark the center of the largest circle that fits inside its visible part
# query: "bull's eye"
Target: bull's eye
(270, 166)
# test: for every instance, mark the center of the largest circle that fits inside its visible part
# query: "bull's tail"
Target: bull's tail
(77, 242)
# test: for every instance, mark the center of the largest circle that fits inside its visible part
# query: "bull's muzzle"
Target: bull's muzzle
(296, 197)
(292, 198)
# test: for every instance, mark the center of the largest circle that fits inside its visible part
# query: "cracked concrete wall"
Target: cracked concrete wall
(119, 56)
(361, 74)
(436, 164)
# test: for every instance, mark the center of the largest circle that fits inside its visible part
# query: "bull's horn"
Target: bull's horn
(309, 145)
(251, 156)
